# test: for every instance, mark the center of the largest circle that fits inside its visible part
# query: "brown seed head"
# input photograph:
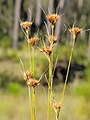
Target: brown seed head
(57, 106)
(32, 82)
(74, 31)
(26, 25)
(52, 39)
(47, 50)
(32, 40)
(27, 75)
(53, 18)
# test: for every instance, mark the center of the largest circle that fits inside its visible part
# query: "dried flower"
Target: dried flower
(26, 25)
(52, 39)
(52, 18)
(75, 31)
(47, 50)
(27, 75)
(32, 40)
(57, 106)
(32, 82)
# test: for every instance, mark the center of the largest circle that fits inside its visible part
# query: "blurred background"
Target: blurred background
(14, 103)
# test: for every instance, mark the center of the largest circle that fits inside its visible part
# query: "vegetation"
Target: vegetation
(51, 36)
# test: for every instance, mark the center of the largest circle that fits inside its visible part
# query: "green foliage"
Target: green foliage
(9, 54)
(3, 79)
(5, 42)
(87, 73)
(6, 77)
(63, 51)
(14, 88)
(10, 73)
(13, 55)
(83, 90)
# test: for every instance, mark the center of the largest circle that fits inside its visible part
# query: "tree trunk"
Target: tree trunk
(59, 24)
(16, 23)
(88, 54)
(30, 11)
(80, 4)
(38, 14)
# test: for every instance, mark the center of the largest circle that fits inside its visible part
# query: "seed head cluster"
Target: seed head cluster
(26, 25)
(57, 106)
(29, 79)
(47, 50)
(32, 41)
(53, 18)
(75, 31)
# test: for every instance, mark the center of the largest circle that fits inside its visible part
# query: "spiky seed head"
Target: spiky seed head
(47, 50)
(32, 40)
(26, 25)
(57, 106)
(32, 82)
(53, 18)
(75, 31)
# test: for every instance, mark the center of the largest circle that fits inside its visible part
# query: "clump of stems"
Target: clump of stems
(31, 83)
(48, 51)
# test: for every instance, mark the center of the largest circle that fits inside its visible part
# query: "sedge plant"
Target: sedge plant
(48, 51)
(28, 76)
(57, 105)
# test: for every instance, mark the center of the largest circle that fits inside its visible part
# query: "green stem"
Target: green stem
(30, 101)
(70, 59)
(29, 57)
(27, 33)
(50, 91)
(33, 60)
(56, 116)
(34, 103)
(29, 89)
(50, 79)
(33, 89)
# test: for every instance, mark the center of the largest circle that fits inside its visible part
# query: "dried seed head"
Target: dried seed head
(52, 39)
(27, 75)
(47, 50)
(75, 31)
(32, 40)
(26, 25)
(52, 18)
(32, 82)
(57, 106)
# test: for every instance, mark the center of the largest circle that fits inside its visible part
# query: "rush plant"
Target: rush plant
(48, 51)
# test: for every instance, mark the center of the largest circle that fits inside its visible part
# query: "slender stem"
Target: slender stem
(52, 27)
(50, 79)
(30, 101)
(34, 103)
(30, 67)
(27, 33)
(56, 116)
(29, 57)
(50, 91)
(33, 60)
(70, 59)
(33, 89)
